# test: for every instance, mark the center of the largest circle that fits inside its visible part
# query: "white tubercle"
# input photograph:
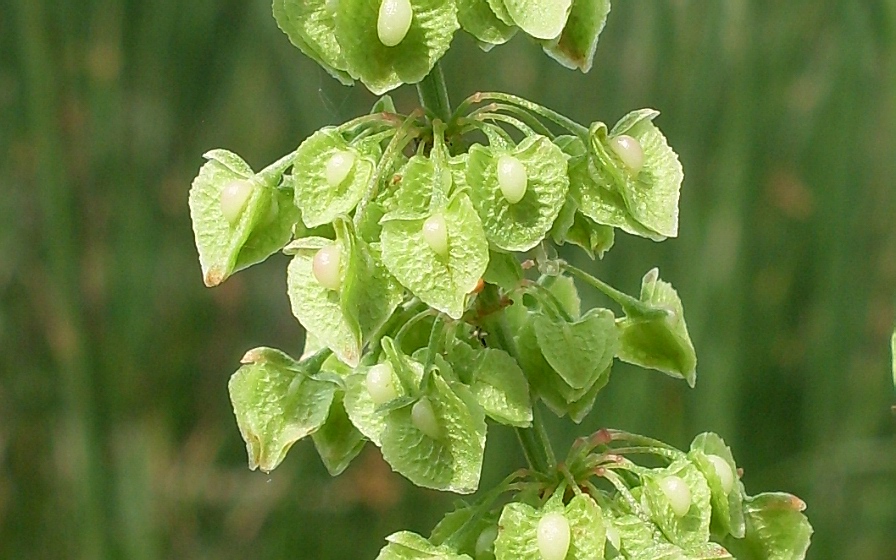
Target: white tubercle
(435, 232)
(723, 470)
(629, 151)
(380, 385)
(678, 494)
(327, 268)
(485, 543)
(394, 21)
(512, 178)
(553, 536)
(613, 536)
(339, 166)
(424, 418)
(234, 197)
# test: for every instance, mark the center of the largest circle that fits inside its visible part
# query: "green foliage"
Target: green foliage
(419, 287)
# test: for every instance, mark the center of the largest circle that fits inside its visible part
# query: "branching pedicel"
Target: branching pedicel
(424, 272)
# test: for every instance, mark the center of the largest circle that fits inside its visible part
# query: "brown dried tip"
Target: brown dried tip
(797, 504)
(480, 285)
(213, 277)
(252, 356)
(601, 437)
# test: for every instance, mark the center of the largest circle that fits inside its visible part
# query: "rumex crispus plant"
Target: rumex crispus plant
(426, 274)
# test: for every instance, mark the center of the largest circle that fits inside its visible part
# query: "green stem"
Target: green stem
(534, 441)
(551, 115)
(630, 305)
(434, 94)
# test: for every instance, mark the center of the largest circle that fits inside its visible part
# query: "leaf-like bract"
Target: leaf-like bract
(263, 227)
(441, 282)
(383, 68)
(276, 404)
(520, 226)
(651, 195)
(660, 343)
(453, 461)
(576, 45)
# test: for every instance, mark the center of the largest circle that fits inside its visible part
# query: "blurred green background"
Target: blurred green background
(116, 436)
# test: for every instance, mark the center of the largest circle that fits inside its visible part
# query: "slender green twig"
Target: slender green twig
(630, 305)
(553, 116)
(396, 145)
(433, 94)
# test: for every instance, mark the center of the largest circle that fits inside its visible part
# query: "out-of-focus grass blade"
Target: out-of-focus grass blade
(893, 354)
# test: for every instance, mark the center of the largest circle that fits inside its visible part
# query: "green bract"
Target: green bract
(662, 343)
(422, 318)
(478, 19)
(405, 545)
(380, 67)
(310, 25)
(727, 507)
(691, 528)
(542, 19)
(451, 462)
(320, 201)
(580, 351)
(264, 224)
(337, 441)
(496, 382)
(519, 226)
(651, 194)
(599, 201)
(440, 281)
(776, 526)
(343, 319)
(365, 414)
(276, 404)
(518, 529)
(575, 46)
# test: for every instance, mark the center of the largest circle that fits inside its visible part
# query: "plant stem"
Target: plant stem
(434, 94)
(630, 305)
(534, 441)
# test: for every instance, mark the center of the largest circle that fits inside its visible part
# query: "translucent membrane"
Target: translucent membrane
(629, 151)
(327, 268)
(234, 197)
(512, 178)
(553, 536)
(485, 543)
(394, 21)
(613, 537)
